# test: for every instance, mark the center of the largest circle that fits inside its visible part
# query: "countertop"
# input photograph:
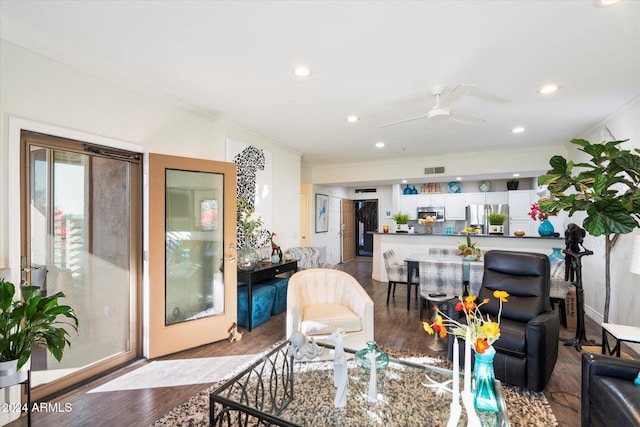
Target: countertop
(473, 236)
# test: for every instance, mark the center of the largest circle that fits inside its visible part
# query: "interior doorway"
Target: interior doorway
(366, 222)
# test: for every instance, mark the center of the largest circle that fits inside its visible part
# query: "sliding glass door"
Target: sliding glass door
(81, 235)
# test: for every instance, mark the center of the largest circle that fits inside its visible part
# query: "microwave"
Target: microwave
(437, 211)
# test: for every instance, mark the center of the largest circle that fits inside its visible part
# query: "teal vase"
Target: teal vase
(555, 255)
(363, 361)
(484, 398)
(545, 228)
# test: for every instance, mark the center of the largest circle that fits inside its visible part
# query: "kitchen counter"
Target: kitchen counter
(405, 244)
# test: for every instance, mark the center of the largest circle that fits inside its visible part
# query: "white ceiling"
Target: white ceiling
(375, 59)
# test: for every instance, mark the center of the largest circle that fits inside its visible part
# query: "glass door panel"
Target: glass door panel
(193, 245)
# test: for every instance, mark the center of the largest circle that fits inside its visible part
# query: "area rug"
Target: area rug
(172, 373)
(526, 409)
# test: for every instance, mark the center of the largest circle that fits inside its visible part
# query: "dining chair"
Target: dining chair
(441, 282)
(397, 273)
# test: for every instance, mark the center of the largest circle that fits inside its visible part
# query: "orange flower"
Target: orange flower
(481, 345)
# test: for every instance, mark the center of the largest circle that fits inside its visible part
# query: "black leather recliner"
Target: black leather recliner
(609, 395)
(527, 349)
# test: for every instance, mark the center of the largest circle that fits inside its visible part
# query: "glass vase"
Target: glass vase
(248, 258)
(545, 228)
(555, 255)
(362, 357)
(484, 398)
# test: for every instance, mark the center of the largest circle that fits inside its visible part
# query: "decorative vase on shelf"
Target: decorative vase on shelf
(428, 229)
(248, 258)
(363, 358)
(484, 381)
(545, 228)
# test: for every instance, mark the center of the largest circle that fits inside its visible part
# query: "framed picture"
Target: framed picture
(265, 255)
(322, 213)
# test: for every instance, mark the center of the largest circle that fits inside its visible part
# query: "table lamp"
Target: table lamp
(635, 268)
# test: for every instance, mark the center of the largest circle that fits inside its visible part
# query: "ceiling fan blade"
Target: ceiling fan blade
(457, 93)
(465, 119)
(424, 116)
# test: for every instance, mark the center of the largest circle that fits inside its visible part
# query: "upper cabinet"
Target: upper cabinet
(454, 206)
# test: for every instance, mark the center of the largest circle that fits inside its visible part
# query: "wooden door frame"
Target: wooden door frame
(161, 339)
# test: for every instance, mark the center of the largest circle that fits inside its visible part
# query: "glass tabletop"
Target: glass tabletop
(277, 390)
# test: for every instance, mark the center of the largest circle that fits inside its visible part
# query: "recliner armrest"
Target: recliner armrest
(542, 335)
(607, 366)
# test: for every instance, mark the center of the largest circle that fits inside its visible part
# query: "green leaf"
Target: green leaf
(559, 164)
(600, 183)
(7, 291)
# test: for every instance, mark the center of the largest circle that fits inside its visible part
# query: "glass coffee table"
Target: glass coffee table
(275, 390)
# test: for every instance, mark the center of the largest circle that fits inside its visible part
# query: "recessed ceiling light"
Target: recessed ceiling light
(606, 3)
(548, 89)
(353, 119)
(302, 71)
(379, 144)
(518, 129)
(404, 181)
(458, 178)
(516, 174)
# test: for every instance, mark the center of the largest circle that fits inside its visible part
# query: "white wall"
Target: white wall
(528, 161)
(39, 89)
(625, 286)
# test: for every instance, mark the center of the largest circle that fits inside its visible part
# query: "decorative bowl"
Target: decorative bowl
(519, 233)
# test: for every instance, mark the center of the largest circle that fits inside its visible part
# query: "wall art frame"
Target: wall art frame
(322, 213)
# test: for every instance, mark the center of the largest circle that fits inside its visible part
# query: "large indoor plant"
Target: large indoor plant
(607, 189)
(31, 321)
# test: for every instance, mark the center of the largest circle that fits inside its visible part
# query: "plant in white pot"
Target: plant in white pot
(30, 321)
(402, 221)
(496, 221)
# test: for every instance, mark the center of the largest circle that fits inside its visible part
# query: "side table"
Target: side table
(620, 333)
(263, 272)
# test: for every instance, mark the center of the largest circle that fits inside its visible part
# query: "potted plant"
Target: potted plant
(496, 220)
(28, 322)
(607, 189)
(512, 184)
(402, 221)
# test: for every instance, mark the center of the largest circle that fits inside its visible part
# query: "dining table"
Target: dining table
(472, 271)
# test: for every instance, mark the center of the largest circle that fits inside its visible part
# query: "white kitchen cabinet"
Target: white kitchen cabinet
(476, 198)
(496, 198)
(436, 199)
(454, 206)
(520, 203)
(409, 204)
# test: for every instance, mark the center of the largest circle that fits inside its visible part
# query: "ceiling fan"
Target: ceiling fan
(442, 108)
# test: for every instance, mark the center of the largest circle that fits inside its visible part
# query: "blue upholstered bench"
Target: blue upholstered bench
(280, 302)
(262, 304)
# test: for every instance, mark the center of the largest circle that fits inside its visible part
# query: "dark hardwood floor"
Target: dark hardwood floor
(395, 327)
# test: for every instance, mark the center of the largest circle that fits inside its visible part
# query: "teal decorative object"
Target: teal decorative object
(555, 255)
(484, 378)
(362, 357)
(454, 187)
(545, 228)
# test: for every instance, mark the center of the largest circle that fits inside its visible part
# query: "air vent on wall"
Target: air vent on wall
(431, 171)
(365, 190)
